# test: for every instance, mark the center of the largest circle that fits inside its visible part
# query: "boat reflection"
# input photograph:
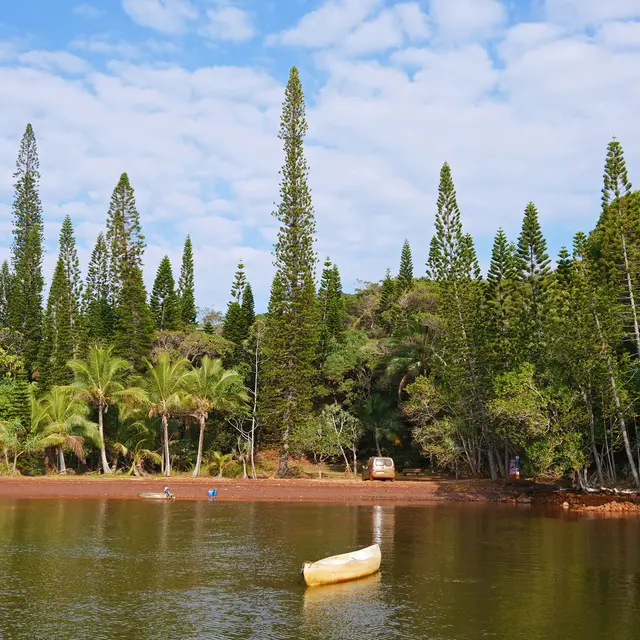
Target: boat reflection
(327, 596)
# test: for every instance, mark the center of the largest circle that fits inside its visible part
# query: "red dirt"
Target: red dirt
(302, 490)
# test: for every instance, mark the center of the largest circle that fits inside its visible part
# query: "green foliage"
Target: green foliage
(5, 293)
(186, 287)
(291, 331)
(248, 307)
(164, 301)
(98, 313)
(25, 302)
(405, 275)
(331, 309)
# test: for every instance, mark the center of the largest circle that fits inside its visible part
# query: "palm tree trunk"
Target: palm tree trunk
(196, 471)
(15, 462)
(103, 451)
(6, 457)
(62, 467)
(165, 435)
(355, 460)
(375, 435)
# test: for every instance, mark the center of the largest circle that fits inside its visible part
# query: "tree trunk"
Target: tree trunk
(203, 420)
(375, 435)
(283, 466)
(62, 467)
(245, 475)
(492, 463)
(355, 461)
(6, 458)
(636, 327)
(320, 469)
(15, 462)
(253, 445)
(165, 435)
(103, 450)
(401, 386)
(592, 432)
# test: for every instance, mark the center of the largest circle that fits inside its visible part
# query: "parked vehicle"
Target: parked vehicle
(379, 469)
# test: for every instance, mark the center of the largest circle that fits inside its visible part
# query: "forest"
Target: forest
(438, 366)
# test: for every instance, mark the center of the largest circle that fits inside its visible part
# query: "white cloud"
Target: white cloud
(167, 16)
(620, 34)
(387, 30)
(228, 23)
(104, 45)
(467, 19)
(328, 24)
(576, 13)
(88, 11)
(527, 36)
(55, 61)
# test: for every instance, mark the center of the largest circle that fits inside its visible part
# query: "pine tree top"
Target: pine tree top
(532, 246)
(405, 274)
(616, 180)
(239, 283)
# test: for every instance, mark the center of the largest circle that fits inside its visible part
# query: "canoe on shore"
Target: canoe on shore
(149, 495)
(343, 567)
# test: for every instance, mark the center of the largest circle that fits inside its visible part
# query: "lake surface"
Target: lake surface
(132, 569)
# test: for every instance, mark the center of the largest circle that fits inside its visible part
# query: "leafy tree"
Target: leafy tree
(319, 438)
(99, 380)
(213, 389)
(98, 313)
(405, 275)
(164, 385)
(25, 302)
(186, 289)
(164, 301)
(379, 418)
(291, 331)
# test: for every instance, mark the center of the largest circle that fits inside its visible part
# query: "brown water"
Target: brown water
(134, 569)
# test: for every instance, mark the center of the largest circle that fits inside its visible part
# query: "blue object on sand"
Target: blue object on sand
(212, 493)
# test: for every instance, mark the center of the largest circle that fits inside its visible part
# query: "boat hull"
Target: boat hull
(342, 568)
(147, 495)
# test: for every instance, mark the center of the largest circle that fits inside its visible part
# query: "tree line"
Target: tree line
(447, 368)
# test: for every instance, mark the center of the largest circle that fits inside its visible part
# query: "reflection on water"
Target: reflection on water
(136, 569)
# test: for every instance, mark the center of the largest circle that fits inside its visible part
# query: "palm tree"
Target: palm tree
(213, 388)
(99, 381)
(221, 461)
(413, 348)
(378, 416)
(164, 385)
(19, 437)
(135, 441)
(61, 420)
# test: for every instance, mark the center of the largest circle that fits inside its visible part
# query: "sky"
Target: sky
(521, 98)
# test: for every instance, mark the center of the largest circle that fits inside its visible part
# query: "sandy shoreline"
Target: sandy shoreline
(405, 492)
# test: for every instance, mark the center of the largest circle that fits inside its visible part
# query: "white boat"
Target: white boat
(343, 567)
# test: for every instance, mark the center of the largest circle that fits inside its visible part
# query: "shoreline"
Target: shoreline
(337, 491)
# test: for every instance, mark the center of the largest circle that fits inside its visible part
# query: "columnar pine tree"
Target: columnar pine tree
(164, 301)
(533, 273)
(133, 320)
(388, 295)
(248, 307)
(98, 313)
(620, 224)
(291, 330)
(5, 289)
(405, 275)
(501, 295)
(186, 290)
(239, 283)
(61, 339)
(331, 308)
(25, 303)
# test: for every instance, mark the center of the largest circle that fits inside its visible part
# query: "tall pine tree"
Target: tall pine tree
(97, 310)
(248, 306)
(405, 275)
(5, 293)
(534, 274)
(331, 308)
(186, 290)
(239, 283)
(25, 302)
(164, 301)
(291, 330)
(61, 339)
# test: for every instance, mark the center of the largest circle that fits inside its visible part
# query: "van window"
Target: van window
(383, 462)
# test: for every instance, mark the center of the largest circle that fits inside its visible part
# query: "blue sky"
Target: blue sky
(519, 96)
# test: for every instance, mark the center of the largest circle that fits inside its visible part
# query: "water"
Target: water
(131, 569)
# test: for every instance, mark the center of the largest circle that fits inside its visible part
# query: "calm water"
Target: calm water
(134, 569)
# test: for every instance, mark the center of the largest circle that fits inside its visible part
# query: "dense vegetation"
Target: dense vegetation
(444, 368)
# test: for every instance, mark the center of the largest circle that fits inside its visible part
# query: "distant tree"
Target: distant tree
(405, 275)
(248, 305)
(25, 302)
(186, 290)
(98, 313)
(164, 301)
(5, 292)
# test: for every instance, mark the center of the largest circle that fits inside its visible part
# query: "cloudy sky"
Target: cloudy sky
(520, 96)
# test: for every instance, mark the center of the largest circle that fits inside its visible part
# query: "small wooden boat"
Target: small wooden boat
(346, 566)
(149, 495)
